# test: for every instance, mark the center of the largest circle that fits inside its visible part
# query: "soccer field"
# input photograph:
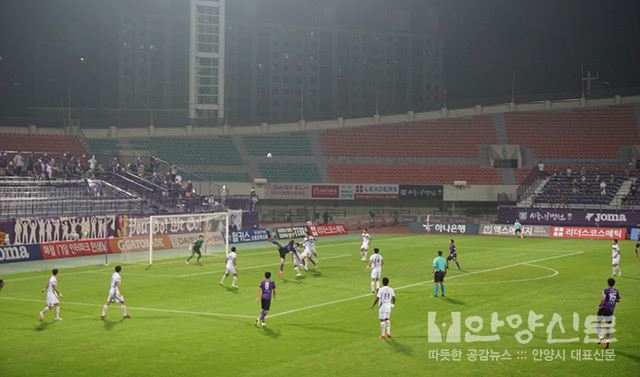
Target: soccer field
(185, 324)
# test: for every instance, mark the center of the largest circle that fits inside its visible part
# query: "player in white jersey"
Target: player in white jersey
(53, 295)
(386, 298)
(615, 258)
(309, 253)
(115, 294)
(364, 248)
(298, 260)
(375, 264)
(231, 268)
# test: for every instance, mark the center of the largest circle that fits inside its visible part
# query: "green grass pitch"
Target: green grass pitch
(184, 324)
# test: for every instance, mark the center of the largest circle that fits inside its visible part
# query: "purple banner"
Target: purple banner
(569, 216)
(32, 230)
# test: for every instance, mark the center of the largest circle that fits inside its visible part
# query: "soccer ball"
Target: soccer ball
(269, 155)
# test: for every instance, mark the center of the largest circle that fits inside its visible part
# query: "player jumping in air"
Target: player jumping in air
(53, 295)
(266, 293)
(195, 248)
(375, 264)
(309, 253)
(439, 270)
(364, 248)
(283, 251)
(115, 294)
(518, 230)
(615, 258)
(231, 268)
(610, 297)
(386, 298)
(453, 254)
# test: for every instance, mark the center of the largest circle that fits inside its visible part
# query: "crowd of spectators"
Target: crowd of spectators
(42, 166)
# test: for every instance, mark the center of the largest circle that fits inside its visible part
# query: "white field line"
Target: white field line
(137, 308)
(422, 283)
(553, 274)
(240, 268)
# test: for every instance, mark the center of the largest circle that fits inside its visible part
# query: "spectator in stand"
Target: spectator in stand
(569, 171)
(153, 164)
(540, 169)
(138, 162)
(31, 163)
(141, 171)
(115, 164)
(612, 178)
(92, 163)
(597, 177)
(64, 160)
(11, 169)
(555, 173)
(45, 158)
(583, 178)
(574, 188)
(165, 189)
(583, 171)
(252, 193)
(174, 171)
(79, 169)
(18, 162)
(603, 188)
(189, 186)
(4, 159)
(155, 178)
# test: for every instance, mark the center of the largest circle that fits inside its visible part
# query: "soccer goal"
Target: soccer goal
(177, 232)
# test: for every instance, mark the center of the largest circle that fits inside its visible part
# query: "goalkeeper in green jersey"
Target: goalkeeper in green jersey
(195, 247)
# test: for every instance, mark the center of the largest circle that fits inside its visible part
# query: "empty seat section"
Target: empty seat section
(196, 151)
(583, 133)
(412, 174)
(295, 144)
(290, 172)
(458, 137)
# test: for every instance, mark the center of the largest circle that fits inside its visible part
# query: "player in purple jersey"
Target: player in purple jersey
(266, 293)
(283, 251)
(610, 297)
(453, 254)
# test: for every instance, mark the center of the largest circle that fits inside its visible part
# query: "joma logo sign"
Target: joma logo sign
(13, 253)
(598, 217)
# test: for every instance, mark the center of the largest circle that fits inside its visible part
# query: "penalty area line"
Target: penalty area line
(422, 283)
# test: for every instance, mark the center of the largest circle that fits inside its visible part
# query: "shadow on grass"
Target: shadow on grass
(42, 325)
(231, 289)
(270, 332)
(634, 358)
(109, 325)
(450, 300)
(630, 277)
(400, 348)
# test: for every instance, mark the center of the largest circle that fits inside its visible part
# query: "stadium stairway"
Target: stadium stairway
(500, 127)
(623, 191)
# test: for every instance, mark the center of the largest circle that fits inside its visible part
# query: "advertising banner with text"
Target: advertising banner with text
(449, 228)
(327, 230)
(588, 232)
(68, 249)
(288, 191)
(569, 216)
(19, 253)
(250, 235)
(510, 230)
(128, 244)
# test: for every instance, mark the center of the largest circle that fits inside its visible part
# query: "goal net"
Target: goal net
(164, 236)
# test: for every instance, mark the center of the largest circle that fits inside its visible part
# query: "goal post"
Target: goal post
(178, 231)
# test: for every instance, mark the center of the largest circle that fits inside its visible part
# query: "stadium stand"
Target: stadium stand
(282, 172)
(196, 151)
(449, 137)
(51, 144)
(294, 144)
(581, 133)
(412, 174)
(28, 197)
(568, 189)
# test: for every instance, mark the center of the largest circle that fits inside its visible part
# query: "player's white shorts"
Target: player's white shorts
(375, 273)
(615, 261)
(307, 254)
(52, 299)
(384, 312)
(231, 270)
(114, 296)
(364, 246)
